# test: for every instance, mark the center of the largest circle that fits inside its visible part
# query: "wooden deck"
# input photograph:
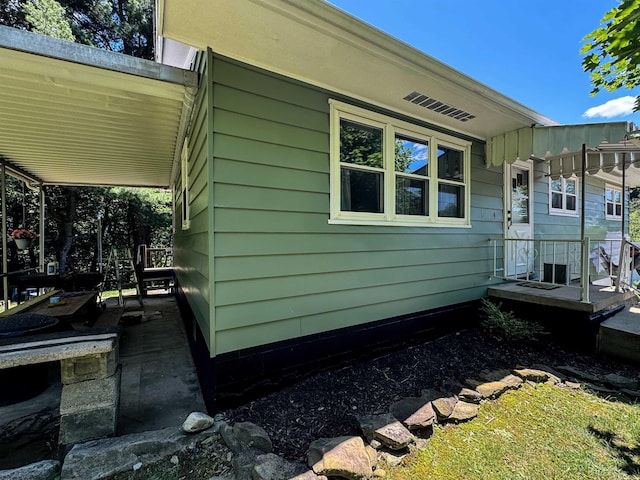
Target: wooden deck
(619, 336)
(601, 298)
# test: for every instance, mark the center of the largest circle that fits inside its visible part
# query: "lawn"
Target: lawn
(536, 432)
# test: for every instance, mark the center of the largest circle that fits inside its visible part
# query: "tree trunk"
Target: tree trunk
(66, 231)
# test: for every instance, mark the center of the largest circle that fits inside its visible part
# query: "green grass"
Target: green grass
(540, 432)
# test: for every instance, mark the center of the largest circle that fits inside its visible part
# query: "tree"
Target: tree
(47, 18)
(612, 51)
(124, 26)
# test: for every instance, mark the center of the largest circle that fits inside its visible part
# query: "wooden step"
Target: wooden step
(619, 336)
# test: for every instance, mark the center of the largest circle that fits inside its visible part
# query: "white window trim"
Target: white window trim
(614, 217)
(184, 201)
(391, 126)
(563, 211)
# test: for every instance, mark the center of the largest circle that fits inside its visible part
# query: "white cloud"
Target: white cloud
(613, 108)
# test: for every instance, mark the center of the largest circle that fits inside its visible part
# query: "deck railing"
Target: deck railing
(571, 263)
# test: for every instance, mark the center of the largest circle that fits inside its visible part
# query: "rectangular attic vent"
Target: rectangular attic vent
(439, 107)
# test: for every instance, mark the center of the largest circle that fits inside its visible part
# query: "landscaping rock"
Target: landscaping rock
(533, 375)
(444, 406)
(342, 457)
(387, 430)
(197, 422)
(492, 389)
(272, 467)
(390, 459)
(460, 391)
(512, 381)
(579, 374)
(631, 393)
(226, 432)
(102, 458)
(551, 371)
(44, 470)
(573, 385)
(244, 462)
(618, 381)
(494, 375)
(251, 435)
(414, 412)
(464, 411)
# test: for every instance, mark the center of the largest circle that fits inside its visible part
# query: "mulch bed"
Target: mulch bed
(328, 404)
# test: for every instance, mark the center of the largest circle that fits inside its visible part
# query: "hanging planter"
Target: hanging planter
(23, 238)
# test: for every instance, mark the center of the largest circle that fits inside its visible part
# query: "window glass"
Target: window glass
(450, 166)
(411, 156)
(571, 187)
(361, 191)
(571, 202)
(411, 196)
(360, 144)
(556, 185)
(556, 200)
(450, 201)
(619, 210)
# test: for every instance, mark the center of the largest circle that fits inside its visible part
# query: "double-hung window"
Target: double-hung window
(388, 172)
(613, 202)
(563, 196)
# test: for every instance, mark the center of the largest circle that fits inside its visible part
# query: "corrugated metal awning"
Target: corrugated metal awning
(607, 150)
(72, 114)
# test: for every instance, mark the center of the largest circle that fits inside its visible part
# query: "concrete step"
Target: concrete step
(619, 336)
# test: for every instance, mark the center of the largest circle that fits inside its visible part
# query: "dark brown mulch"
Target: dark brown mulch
(328, 404)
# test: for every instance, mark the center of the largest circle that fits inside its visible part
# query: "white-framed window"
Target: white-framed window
(184, 196)
(386, 171)
(563, 196)
(613, 202)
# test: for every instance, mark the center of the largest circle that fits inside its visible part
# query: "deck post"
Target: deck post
(5, 262)
(584, 277)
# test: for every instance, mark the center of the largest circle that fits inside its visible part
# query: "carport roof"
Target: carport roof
(76, 115)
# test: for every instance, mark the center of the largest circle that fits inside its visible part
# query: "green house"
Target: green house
(337, 192)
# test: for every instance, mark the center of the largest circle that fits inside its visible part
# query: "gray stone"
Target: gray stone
(579, 374)
(600, 388)
(464, 411)
(618, 381)
(99, 459)
(226, 432)
(44, 470)
(87, 425)
(387, 430)
(461, 392)
(272, 467)
(244, 462)
(492, 389)
(197, 422)
(573, 385)
(631, 393)
(430, 394)
(251, 435)
(342, 457)
(91, 394)
(415, 412)
(444, 406)
(90, 366)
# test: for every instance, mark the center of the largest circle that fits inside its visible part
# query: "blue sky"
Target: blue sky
(529, 51)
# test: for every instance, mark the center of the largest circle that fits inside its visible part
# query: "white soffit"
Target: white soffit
(314, 42)
(88, 117)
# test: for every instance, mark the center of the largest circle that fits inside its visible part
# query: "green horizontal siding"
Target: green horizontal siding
(192, 246)
(281, 270)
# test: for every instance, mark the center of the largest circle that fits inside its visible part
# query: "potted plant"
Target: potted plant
(23, 237)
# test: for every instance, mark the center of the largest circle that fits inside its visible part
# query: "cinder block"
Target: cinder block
(91, 394)
(89, 367)
(87, 425)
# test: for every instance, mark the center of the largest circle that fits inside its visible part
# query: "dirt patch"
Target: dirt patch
(328, 404)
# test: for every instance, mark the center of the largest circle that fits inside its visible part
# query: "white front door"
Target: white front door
(519, 256)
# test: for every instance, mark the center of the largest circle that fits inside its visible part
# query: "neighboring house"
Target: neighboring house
(335, 189)
(339, 187)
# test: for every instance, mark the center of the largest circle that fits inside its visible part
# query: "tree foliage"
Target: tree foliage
(612, 51)
(124, 26)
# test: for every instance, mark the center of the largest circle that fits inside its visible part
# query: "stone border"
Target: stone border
(386, 439)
